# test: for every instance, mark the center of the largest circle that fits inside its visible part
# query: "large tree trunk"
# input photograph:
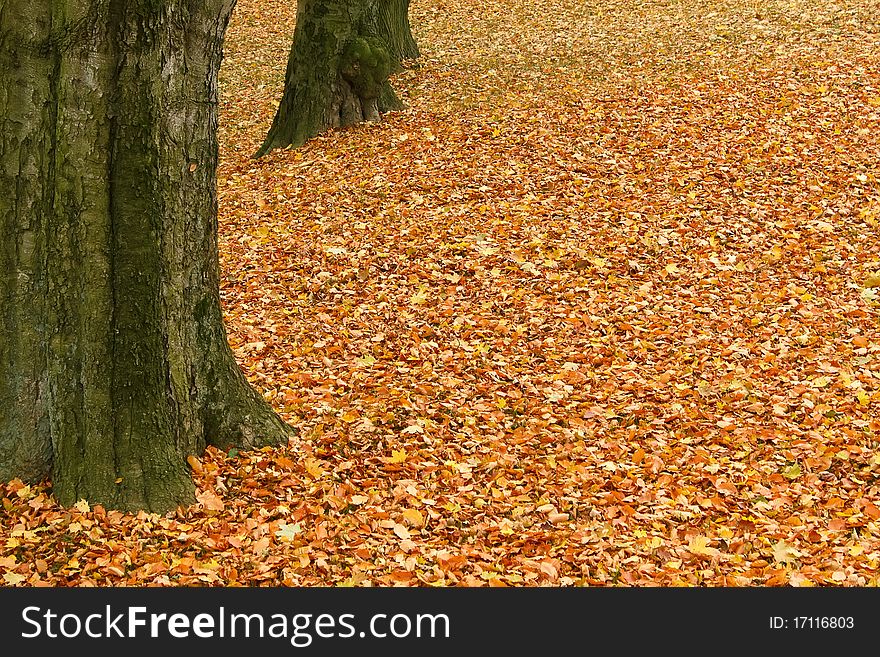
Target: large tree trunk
(395, 30)
(337, 73)
(114, 365)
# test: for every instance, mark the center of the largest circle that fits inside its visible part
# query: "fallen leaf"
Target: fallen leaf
(210, 500)
(784, 553)
(287, 532)
(413, 517)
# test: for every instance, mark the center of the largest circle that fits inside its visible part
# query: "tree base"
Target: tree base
(337, 73)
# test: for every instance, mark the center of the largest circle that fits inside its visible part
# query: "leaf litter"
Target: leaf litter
(598, 308)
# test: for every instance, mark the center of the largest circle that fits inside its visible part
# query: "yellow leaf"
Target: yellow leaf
(420, 296)
(82, 506)
(314, 468)
(774, 254)
(194, 463)
(13, 578)
(397, 456)
(413, 517)
(872, 281)
(210, 500)
(700, 545)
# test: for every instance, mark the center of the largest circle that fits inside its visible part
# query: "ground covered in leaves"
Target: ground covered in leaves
(599, 308)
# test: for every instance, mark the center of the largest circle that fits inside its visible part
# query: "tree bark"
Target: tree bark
(337, 72)
(395, 29)
(114, 364)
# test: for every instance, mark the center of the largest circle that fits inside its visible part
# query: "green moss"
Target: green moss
(366, 65)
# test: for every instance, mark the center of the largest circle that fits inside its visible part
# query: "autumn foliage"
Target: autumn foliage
(600, 307)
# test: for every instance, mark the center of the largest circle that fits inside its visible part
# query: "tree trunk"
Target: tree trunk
(395, 30)
(337, 73)
(114, 365)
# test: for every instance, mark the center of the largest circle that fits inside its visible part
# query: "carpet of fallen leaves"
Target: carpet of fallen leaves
(600, 307)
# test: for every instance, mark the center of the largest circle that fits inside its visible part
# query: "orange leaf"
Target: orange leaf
(210, 500)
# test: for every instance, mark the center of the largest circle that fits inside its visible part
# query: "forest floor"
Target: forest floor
(600, 307)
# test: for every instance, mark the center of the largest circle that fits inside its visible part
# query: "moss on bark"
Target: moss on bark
(114, 365)
(337, 74)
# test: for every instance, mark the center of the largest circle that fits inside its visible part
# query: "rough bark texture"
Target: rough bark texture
(395, 30)
(114, 364)
(337, 71)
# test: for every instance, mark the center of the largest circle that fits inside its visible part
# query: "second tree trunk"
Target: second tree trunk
(337, 74)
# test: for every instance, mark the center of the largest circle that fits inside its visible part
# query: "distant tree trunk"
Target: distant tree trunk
(395, 30)
(114, 365)
(337, 73)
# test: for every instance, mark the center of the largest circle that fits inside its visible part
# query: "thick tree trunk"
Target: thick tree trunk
(395, 30)
(114, 365)
(337, 73)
